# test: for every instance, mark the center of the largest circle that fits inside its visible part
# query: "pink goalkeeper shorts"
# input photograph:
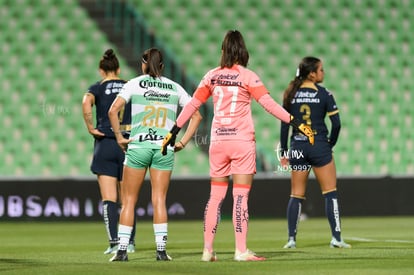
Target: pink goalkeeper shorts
(232, 157)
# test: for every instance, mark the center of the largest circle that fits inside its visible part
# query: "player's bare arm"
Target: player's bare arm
(87, 104)
(189, 133)
(113, 112)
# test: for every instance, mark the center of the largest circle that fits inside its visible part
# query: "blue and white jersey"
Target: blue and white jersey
(311, 106)
(105, 93)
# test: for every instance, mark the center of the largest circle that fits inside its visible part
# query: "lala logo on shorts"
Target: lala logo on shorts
(151, 136)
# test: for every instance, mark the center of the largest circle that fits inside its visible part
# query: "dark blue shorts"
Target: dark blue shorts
(303, 155)
(108, 158)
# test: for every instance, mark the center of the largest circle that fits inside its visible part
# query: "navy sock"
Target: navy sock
(332, 213)
(111, 218)
(293, 213)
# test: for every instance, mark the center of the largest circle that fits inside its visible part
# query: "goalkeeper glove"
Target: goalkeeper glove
(169, 139)
(303, 128)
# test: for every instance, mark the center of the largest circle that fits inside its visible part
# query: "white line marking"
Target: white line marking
(373, 240)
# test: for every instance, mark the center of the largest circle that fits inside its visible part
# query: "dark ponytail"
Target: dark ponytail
(234, 50)
(109, 62)
(291, 91)
(307, 65)
(153, 58)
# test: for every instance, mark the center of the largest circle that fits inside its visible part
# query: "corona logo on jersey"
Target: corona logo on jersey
(146, 83)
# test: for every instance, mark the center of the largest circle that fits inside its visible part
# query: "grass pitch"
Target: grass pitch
(380, 245)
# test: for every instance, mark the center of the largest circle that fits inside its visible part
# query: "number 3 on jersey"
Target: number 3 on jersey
(306, 110)
(224, 110)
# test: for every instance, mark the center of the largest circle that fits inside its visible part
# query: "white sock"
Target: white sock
(124, 234)
(161, 232)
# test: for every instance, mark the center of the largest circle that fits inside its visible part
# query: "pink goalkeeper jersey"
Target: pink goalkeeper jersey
(232, 90)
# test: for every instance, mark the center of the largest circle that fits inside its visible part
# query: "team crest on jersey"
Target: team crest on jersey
(151, 136)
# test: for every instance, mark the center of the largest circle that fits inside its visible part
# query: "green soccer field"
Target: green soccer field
(380, 245)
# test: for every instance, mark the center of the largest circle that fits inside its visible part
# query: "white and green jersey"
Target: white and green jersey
(154, 104)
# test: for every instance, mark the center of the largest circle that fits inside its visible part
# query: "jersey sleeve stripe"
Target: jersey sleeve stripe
(333, 113)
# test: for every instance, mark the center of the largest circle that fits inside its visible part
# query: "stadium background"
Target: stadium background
(50, 53)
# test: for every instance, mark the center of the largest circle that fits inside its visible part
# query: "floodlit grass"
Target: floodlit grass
(381, 245)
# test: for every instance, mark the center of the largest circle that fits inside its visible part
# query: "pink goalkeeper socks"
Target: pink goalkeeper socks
(212, 212)
(241, 215)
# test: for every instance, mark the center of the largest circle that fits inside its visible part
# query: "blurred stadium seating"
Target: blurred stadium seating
(50, 58)
(365, 47)
(47, 64)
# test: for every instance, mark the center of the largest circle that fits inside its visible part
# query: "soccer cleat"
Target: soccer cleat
(120, 256)
(111, 249)
(339, 244)
(131, 248)
(290, 244)
(208, 256)
(163, 256)
(248, 255)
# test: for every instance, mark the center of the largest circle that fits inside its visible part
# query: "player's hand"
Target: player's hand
(123, 143)
(179, 146)
(284, 162)
(96, 133)
(303, 128)
(169, 139)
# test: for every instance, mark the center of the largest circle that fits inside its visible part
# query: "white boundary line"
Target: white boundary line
(373, 240)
